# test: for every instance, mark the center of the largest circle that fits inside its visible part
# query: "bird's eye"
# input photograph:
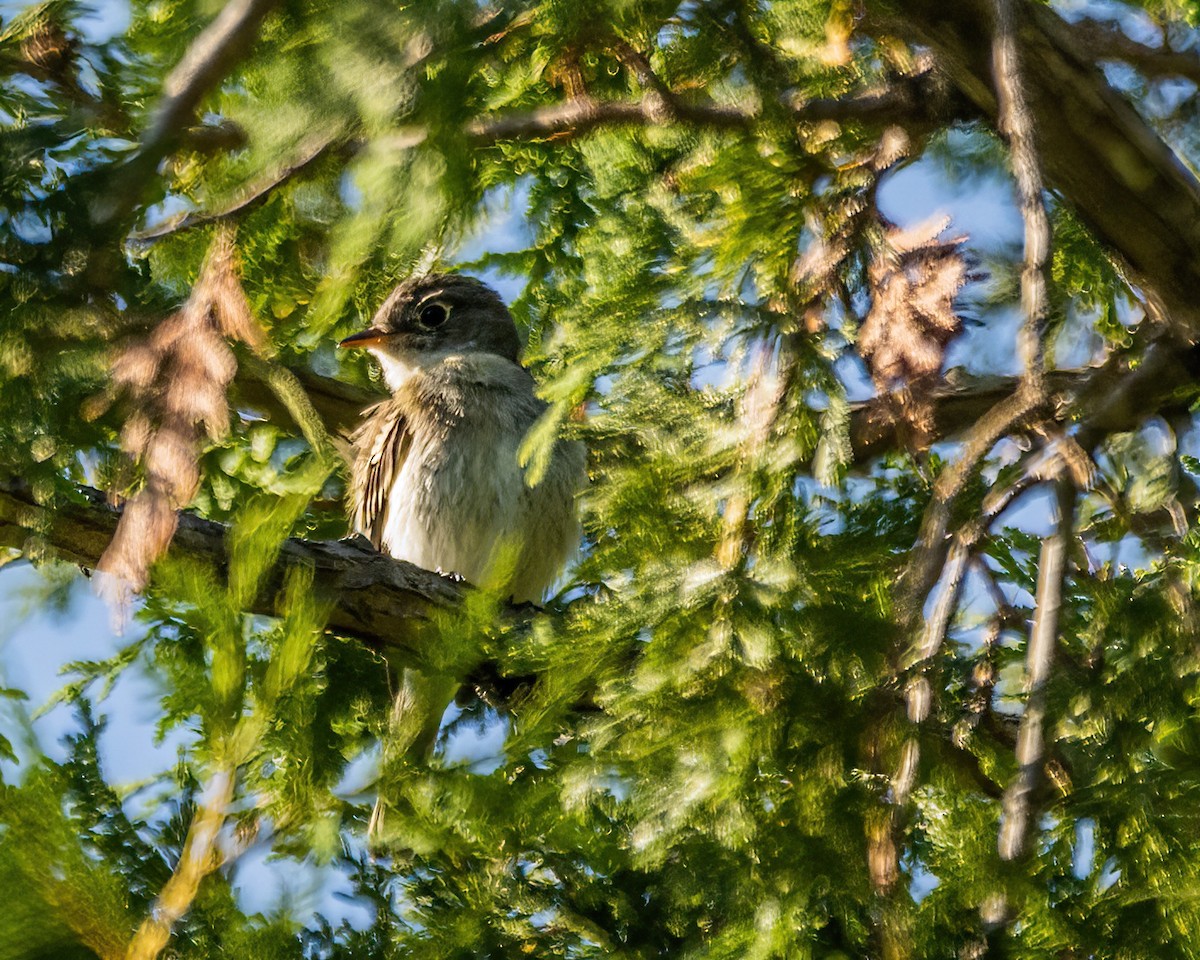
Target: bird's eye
(433, 315)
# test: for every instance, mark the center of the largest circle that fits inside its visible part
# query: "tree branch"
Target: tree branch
(918, 692)
(580, 115)
(250, 196)
(212, 54)
(199, 857)
(1106, 160)
(928, 553)
(1016, 122)
(1015, 826)
(1107, 41)
(385, 603)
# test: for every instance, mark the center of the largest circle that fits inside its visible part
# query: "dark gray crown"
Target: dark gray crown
(476, 317)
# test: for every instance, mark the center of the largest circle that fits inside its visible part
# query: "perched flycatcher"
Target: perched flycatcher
(437, 480)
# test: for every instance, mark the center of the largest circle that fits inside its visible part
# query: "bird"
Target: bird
(437, 479)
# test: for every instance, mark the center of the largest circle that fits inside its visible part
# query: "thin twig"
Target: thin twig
(1016, 123)
(1031, 747)
(928, 554)
(1107, 41)
(200, 857)
(918, 692)
(580, 115)
(250, 196)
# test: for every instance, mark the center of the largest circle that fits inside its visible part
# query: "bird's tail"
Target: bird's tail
(410, 739)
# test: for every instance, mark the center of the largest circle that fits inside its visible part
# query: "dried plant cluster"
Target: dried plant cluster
(914, 277)
(176, 382)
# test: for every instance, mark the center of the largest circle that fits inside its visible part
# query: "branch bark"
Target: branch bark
(1107, 41)
(382, 602)
(1016, 122)
(1016, 824)
(308, 154)
(199, 857)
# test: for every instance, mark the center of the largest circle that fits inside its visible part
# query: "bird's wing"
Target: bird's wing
(383, 442)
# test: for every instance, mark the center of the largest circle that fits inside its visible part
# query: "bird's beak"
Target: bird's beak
(367, 338)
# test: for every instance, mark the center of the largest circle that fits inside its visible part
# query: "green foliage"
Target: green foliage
(700, 731)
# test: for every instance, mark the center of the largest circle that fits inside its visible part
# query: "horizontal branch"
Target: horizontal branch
(580, 115)
(1112, 398)
(339, 404)
(250, 196)
(383, 602)
(915, 100)
(1107, 41)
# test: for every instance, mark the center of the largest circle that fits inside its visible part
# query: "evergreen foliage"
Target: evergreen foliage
(740, 729)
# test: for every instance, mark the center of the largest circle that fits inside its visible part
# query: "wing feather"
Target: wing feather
(383, 442)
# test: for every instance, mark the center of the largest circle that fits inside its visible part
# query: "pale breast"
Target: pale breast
(459, 501)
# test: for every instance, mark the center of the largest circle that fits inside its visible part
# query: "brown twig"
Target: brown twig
(929, 552)
(250, 196)
(580, 115)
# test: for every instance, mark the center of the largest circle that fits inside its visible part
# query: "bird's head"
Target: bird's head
(426, 318)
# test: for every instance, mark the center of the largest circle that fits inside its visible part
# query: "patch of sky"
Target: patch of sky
(103, 19)
(1083, 854)
(922, 882)
(38, 642)
(297, 890)
(473, 738)
(173, 207)
(503, 228)
(29, 227)
(1168, 95)
(1109, 874)
(1137, 24)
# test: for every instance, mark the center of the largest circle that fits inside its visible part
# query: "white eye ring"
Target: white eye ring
(433, 314)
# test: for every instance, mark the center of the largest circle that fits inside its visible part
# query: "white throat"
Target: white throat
(465, 362)
(397, 371)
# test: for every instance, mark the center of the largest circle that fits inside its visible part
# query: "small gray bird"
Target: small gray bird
(437, 480)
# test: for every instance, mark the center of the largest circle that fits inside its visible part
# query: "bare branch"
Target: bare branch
(903, 99)
(918, 692)
(1016, 121)
(210, 57)
(1125, 182)
(1015, 826)
(1107, 41)
(928, 553)
(250, 196)
(580, 115)
(199, 857)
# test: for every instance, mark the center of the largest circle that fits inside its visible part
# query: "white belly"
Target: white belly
(462, 506)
